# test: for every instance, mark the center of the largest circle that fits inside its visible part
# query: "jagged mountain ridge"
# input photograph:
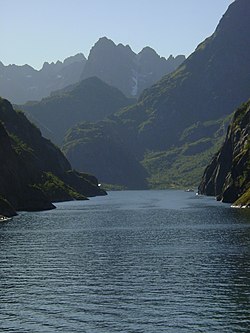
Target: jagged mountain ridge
(228, 175)
(208, 86)
(34, 172)
(129, 72)
(20, 84)
(120, 67)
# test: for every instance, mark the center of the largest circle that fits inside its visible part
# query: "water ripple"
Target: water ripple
(133, 263)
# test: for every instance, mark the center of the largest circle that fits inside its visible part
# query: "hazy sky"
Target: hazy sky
(35, 31)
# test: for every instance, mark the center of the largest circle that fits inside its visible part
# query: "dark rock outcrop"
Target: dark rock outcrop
(228, 175)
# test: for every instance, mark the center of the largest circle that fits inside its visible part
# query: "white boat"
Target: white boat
(189, 190)
(4, 218)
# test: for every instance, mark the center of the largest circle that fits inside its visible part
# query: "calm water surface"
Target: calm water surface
(134, 261)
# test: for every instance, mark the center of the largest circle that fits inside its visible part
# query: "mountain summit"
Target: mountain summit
(120, 67)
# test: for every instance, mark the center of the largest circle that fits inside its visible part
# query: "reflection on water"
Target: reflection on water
(135, 261)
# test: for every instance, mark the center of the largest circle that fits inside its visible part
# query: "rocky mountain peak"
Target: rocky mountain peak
(119, 66)
(79, 57)
(103, 44)
(148, 51)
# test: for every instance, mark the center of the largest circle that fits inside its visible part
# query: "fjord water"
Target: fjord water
(133, 261)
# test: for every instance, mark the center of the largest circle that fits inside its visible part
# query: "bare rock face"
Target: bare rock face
(228, 175)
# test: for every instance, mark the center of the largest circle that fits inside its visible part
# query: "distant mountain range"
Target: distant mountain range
(20, 84)
(117, 65)
(178, 123)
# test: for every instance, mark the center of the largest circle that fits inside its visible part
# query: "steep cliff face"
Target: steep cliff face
(34, 172)
(228, 175)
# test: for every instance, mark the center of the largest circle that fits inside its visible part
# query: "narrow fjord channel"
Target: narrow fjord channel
(134, 261)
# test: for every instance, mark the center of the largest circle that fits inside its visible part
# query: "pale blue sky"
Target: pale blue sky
(35, 31)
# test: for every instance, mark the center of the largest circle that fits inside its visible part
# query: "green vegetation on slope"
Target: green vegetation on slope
(56, 190)
(183, 166)
(244, 200)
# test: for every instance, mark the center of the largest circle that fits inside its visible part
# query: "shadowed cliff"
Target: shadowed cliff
(228, 175)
